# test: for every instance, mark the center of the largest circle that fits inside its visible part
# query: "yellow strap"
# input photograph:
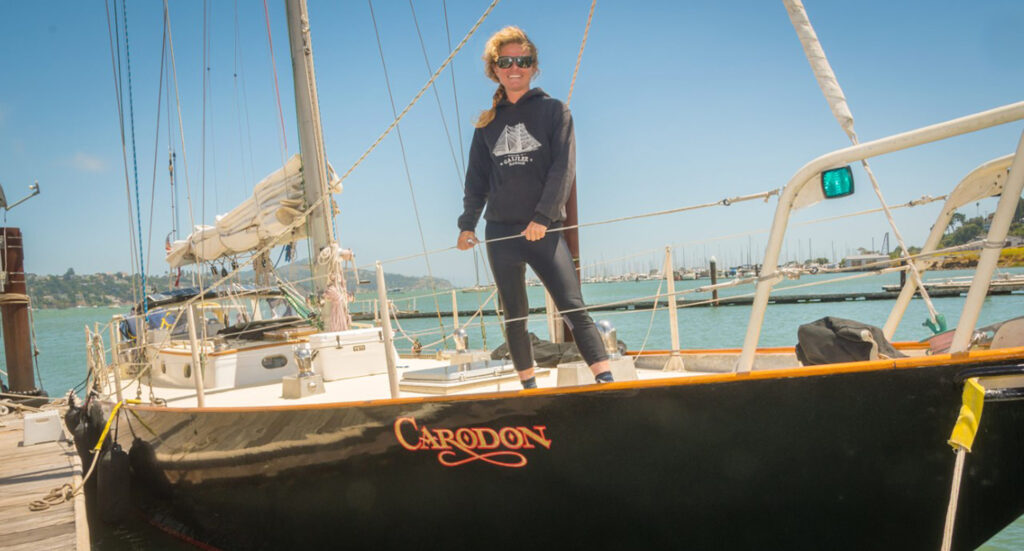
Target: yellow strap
(113, 414)
(970, 415)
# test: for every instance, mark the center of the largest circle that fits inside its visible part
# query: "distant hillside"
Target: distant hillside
(962, 229)
(71, 290)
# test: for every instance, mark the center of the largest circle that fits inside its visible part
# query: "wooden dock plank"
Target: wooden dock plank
(29, 473)
(63, 531)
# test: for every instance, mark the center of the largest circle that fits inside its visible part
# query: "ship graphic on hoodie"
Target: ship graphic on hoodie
(515, 140)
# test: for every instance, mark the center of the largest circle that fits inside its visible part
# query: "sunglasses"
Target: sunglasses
(523, 61)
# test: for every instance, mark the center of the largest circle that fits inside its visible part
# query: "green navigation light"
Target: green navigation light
(837, 182)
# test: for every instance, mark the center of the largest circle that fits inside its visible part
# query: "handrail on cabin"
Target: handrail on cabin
(809, 172)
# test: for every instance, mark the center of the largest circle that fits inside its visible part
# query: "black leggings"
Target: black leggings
(550, 259)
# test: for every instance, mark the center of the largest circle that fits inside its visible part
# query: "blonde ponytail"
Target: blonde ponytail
(487, 116)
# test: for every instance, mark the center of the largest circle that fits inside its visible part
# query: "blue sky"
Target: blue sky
(676, 103)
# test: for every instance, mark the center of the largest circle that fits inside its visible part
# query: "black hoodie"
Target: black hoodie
(522, 164)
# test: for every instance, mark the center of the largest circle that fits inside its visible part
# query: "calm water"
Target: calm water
(60, 338)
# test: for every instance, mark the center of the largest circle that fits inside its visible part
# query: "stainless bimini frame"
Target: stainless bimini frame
(811, 173)
(985, 181)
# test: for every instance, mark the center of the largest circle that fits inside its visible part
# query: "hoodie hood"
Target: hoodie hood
(530, 94)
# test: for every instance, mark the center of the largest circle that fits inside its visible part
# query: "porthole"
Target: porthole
(163, 367)
(188, 371)
(274, 362)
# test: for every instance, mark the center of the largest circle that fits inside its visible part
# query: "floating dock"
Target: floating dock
(742, 300)
(997, 287)
(29, 473)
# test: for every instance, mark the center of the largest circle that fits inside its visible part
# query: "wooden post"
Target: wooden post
(455, 310)
(197, 368)
(675, 363)
(14, 309)
(90, 357)
(115, 361)
(385, 324)
(714, 281)
(557, 330)
(572, 239)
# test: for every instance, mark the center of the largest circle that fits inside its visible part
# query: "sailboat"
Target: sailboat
(271, 423)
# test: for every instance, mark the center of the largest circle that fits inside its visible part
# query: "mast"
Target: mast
(319, 222)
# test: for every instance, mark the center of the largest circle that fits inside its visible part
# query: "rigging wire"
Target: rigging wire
(156, 148)
(241, 106)
(197, 274)
(171, 157)
(300, 219)
(405, 161)
(208, 99)
(455, 92)
(277, 89)
(205, 81)
(135, 162)
(458, 128)
(909, 204)
(114, 38)
(422, 90)
(459, 171)
(724, 202)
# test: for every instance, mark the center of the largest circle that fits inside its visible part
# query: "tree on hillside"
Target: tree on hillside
(957, 220)
(970, 230)
(898, 252)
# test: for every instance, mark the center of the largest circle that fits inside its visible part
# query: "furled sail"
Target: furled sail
(276, 204)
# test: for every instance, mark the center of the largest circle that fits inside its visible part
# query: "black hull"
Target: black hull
(851, 460)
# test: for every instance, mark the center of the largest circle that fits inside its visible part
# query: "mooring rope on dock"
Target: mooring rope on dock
(66, 492)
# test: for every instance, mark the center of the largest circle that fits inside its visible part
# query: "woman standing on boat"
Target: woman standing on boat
(522, 164)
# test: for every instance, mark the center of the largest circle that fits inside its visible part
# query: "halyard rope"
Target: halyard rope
(419, 94)
(579, 57)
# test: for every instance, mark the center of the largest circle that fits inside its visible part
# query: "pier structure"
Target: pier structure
(30, 474)
(741, 300)
(14, 306)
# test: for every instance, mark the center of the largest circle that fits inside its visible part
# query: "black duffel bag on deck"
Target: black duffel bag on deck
(834, 340)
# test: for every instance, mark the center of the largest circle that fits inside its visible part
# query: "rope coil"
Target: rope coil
(56, 496)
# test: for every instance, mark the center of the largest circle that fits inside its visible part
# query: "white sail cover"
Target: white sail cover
(276, 204)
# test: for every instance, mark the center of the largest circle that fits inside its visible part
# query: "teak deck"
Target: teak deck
(28, 473)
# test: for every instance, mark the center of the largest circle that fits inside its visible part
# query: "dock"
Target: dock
(742, 300)
(29, 473)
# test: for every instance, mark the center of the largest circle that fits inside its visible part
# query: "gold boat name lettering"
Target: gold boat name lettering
(467, 444)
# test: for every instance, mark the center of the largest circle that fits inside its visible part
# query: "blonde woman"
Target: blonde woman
(522, 164)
